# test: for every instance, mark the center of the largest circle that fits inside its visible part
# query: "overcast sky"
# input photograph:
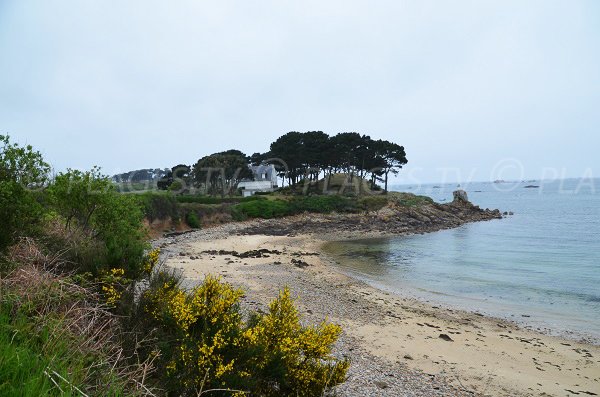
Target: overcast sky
(473, 89)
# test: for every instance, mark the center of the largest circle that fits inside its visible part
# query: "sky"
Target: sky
(474, 90)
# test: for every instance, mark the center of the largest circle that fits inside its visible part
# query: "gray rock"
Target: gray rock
(460, 196)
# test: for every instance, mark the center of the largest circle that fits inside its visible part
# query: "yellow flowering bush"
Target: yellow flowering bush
(113, 283)
(214, 348)
(150, 260)
(298, 358)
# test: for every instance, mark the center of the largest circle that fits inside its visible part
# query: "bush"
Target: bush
(323, 204)
(212, 346)
(110, 222)
(279, 208)
(191, 198)
(192, 220)
(159, 206)
(21, 170)
(265, 209)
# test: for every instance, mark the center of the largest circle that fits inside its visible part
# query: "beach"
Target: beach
(397, 345)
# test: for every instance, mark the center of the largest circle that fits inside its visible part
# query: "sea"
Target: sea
(539, 267)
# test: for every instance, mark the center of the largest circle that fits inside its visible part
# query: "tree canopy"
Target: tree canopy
(299, 155)
(221, 172)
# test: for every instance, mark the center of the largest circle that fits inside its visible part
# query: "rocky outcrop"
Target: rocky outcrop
(460, 196)
(392, 219)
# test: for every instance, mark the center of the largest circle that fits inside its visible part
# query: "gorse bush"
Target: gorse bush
(213, 347)
(294, 357)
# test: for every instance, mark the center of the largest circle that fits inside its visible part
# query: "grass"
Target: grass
(56, 337)
(33, 363)
(39, 357)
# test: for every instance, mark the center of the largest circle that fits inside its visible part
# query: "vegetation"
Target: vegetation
(221, 172)
(86, 310)
(22, 171)
(56, 339)
(176, 179)
(107, 223)
(192, 220)
(212, 346)
(299, 155)
(139, 176)
(278, 208)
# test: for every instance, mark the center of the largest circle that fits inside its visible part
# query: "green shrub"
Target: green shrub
(192, 220)
(110, 222)
(22, 170)
(265, 209)
(191, 198)
(159, 205)
(323, 204)
(296, 205)
(176, 186)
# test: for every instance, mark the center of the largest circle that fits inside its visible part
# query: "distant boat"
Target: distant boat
(531, 187)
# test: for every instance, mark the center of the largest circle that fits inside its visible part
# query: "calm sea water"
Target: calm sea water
(539, 267)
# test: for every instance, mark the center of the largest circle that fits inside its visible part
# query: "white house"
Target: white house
(265, 180)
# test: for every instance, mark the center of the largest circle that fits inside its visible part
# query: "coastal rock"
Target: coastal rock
(460, 196)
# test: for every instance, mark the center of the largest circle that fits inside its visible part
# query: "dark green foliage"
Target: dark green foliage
(221, 172)
(323, 204)
(22, 171)
(159, 206)
(215, 200)
(279, 208)
(192, 220)
(137, 176)
(306, 155)
(261, 209)
(179, 175)
(110, 222)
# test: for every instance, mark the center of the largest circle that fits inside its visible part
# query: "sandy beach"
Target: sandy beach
(398, 346)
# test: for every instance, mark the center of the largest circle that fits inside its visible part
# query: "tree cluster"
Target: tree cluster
(296, 156)
(221, 172)
(299, 155)
(143, 175)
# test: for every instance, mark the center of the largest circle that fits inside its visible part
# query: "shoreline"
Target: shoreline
(432, 298)
(396, 343)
